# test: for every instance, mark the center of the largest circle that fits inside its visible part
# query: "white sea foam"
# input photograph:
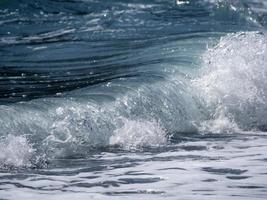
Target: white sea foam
(221, 123)
(233, 83)
(137, 134)
(15, 151)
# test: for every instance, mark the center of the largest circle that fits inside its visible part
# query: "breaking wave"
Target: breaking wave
(233, 83)
(131, 79)
(228, 95)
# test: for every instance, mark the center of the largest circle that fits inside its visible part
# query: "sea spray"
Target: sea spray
(15, 151)
(134, 135)
(233, 82)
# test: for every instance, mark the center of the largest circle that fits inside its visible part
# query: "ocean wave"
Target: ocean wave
(228, 95)
(132, 76)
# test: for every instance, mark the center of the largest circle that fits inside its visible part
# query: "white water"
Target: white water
(134, 135)
(233, 83)
(15, 151)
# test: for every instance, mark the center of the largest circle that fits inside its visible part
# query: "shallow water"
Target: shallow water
(133, 99)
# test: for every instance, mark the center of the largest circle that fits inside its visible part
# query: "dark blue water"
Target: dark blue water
(133, 99)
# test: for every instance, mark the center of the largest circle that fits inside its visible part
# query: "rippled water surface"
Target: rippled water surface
(156, 99)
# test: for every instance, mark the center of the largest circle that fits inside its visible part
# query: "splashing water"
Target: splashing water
(233, 82)
(137, 134)
(15, 151)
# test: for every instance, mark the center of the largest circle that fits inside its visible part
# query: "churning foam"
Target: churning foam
(15, 151)
(134, 134)
(233, 83)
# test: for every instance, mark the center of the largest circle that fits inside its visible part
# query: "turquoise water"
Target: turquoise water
(136, 99)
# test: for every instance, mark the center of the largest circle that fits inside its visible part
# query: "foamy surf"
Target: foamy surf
(15, 151)
(134, 135)
(233, 82)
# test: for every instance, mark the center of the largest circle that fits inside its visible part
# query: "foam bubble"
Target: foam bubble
(15, 151)
(137, 134)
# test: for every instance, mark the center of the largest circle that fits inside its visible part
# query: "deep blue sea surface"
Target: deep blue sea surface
(136, 99)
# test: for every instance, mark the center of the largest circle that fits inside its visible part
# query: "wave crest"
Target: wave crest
(233, 81)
